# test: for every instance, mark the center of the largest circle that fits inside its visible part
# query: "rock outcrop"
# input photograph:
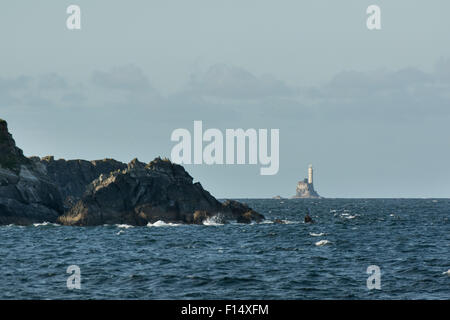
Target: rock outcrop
(305, 190)
(11, 157)
(73, 176)
(86, 193)
(26, 194)
(145, 193)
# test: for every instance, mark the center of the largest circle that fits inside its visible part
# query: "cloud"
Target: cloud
(74, 98)
(229, 90)
(14, 83)
(122, 86)
(407, 92)
(442, 70)
(231, 82)
(128, 77)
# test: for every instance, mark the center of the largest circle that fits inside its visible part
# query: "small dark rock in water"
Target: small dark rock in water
(308, 219)
(279, 221)
(241, 212)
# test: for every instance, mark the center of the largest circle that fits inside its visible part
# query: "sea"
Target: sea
(355, 249)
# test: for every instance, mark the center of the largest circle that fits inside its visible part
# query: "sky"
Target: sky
(369, 109)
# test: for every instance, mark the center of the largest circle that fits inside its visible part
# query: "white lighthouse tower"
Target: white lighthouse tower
(310, 174)
(305, 187)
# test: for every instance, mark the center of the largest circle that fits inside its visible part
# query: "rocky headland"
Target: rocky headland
(27, 194)
(88, 193)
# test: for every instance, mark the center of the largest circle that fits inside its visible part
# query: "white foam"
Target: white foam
(45, 224)
(161, 223)
(447, 272)
(125, 226)
(291, 222)
(316, 234)
(322, 242)
(120, 232)
(213, 221)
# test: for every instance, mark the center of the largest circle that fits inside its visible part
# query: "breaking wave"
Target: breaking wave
(161, 223)
(213, 221)
(322, 243)
(312, 234)
(124, 226)
(43, 224)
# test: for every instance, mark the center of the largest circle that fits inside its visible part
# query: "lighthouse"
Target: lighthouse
(305, 187)
(310, 174)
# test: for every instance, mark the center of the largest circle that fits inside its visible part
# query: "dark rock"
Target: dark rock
(83, 193)
(26, 194)
(308, 219)
(241, 212)
(73, 176)
(141, 194)
(11, 157)
(200, 217)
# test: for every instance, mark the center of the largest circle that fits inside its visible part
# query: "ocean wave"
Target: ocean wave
(120, 232)
(161, 223)
(348, 216)
(213, 221)
(447, 272)
(292, 222)
(43, 224)
(312, 234)
(322, 243)
(124, 226)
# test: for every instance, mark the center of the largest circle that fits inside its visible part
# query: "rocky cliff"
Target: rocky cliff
(305, 190)
(27, 195)
(73, 176)
(144, 193)
(83, 193)
(11, 157)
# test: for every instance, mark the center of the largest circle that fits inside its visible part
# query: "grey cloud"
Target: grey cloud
(442, 70)
(15, 83)
(408, 92)
(230, 82)
(233, 90)
(52, 81)
(74, 98)
(129, 77)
